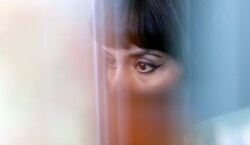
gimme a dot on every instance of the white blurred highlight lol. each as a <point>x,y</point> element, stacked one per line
<point>46,73</point>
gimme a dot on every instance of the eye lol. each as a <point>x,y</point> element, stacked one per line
<point>145,67</point>
<point>110,61</point>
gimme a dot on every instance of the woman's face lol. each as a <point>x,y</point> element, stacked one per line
<point>140,81</point>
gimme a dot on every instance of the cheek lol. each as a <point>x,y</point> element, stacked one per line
<point>160,83</point>
<point>151,87</point>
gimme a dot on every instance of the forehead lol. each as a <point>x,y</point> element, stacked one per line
<point>131,50</point>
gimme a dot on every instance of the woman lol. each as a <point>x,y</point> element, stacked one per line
<point>140,41</point>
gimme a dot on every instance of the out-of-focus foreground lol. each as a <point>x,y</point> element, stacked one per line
<point>46,81</point>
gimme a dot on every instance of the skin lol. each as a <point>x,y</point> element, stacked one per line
<point>146,72</point>
<point>140,88</point>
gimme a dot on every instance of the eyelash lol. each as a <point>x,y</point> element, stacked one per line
<point>152,66</point>
<point>111,63</point>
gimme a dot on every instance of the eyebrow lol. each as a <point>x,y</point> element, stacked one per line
<point>105,50</point>
<point>137,52</point>
<point>141,52</point>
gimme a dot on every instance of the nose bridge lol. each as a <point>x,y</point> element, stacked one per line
<point>122,79</point>
<point>120,86</point>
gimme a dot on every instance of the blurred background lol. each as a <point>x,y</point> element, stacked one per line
<point>46,73</point>
<point>219,92</point>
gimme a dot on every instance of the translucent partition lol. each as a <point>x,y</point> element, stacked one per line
<point>46,73</point>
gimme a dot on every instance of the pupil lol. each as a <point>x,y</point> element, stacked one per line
<point>142,66</point>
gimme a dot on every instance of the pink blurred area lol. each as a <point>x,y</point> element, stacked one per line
<point>46,73</point>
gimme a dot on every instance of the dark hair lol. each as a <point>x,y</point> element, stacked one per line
<point>149,24</point>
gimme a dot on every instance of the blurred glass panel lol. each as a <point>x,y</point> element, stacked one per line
<point>46,73</point>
